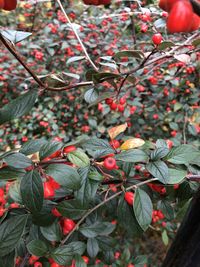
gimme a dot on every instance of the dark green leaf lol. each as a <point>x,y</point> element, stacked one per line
<point>79,261</point>
<point>32,146</point>
<point>64,175</point>
<point>37,247</point>
<point>45,216</point>
<point>183,154</point>
<point>18,161</point>
<point>92,247</point>
<point>143,208</point>
<point>8,173</point>
<point>64,254</point>
<point>88,187</point>
<point>176,176</point>
<point>8,260</point>
<point>130,223</point>
<point>18,107</point>
<point>31,188</point>
<point>129,53</point>
<point>159,153</point>
<point>72,209</point>
<point>11,231</point>
<point>132,155</point>
<point>97,228</point>
<point>52,232</point>
<point>48,149</point>
<point>99,147</point>
<point>159,170</point>
<point>166,209</point>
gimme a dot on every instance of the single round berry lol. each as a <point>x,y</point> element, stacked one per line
<point>157,38</point>
<point>109,163</point>
<point>129,197</point>
<point>37,264</point>
<point>69,149</point>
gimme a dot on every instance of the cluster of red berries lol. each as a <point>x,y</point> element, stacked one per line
<point>181,16</point>
<point>114,105</point>
<point>157,216</point>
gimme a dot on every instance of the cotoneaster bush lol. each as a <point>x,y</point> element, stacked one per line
<point>111,157</point>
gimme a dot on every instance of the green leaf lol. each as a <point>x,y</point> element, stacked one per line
<point>129,53</point>
<point>159,153</point>
<point>8,173</point>
<point>64,254</point>
<point>106,242</point>
<point>165,44</point>
<point>143,208</point>
<point>32,146</point>
<point>165,238</point>
<point>99,147</point>
<point>166,209</point>
<point>159,170</point>
<point>72,209</point>
<point>132,155</point>
<point>88,187</point>
<point>79,158</point>
<point>8,260</point>
<point>44,217</point>
<point>51,232</point>
<point>31,188</point>
<point>176,176</point>
<point>11,231</point>
<point>18,161</point>
<point>37,247</point>
<point>18,107</point>
<point>91,95</point>
<point>97,228</point>
<point>92,247</point>
<point>130,224</point>
<point>183,154</point>
<point>65,175</point>
<point>48,149</point>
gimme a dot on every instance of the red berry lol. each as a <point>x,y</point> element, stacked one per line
<point>33,259</point>
<point>69,149</point>
<point>157,38</point>
<point>120,108</point>
<point>68,226</point>
<point>122,100</point>
<point>49,191</point>
<point>86,259</point>
<point>109,163</point>
<point>37,264</point>
<point>56,213</point>
<point>180,17</point>
<point>115,143</point>
<point>113,106</point>
<point>55,264</point>
<point>129,197</point>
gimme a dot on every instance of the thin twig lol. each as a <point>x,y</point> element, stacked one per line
<point>77,36</point>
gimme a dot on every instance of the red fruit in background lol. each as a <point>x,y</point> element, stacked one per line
<point>91,2</point>
<point>67,226</point>
<point>69,149</point>
<point>55,154</point>
<point>56,213</point>
<point>157,38</point>
<point>1,4</point>
<point>195,23</point>
<point>49,191</point>
<point>167,4</point>
<point>86,259</point>
<point>37,264</point>
<point>180,17</point>
<point>55,264</point>
<point>129,197</point>
<point>10,5</point>
<point>115,143</point>
<point>109,163</point>
<point>104,2</point>
<point>33,259</point>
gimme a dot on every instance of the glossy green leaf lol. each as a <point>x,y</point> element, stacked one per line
<point>18,160</point>
<point>72,209</point>
<point>143,208</point>
<point>79,158</point>
<point>132,155</point>
<point>37,247</point>
<point>32,193</point>
<point>159,170</point>
<point>11,231</point>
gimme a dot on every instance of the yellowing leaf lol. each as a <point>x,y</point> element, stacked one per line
<point>132,143</point>
<point>115,131</point>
